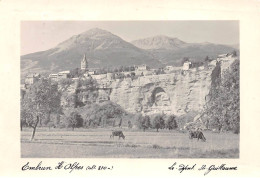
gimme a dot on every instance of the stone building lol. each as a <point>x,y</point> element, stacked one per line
<point>84,63</point>
<point>168,69</point>
<point>53,77</point>
<point>142,67</point>
<point>142,70</point>
<point>186,65</point>
<point>63,74</point>
<point>32,78</point>
<point>60,75</point>
<point>99,76</point>
<point>110,76</point>
<point>222,55</point>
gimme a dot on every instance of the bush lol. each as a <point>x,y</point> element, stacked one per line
<point>155,146</point>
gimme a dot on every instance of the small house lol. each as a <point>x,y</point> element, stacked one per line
<point>186,65</point>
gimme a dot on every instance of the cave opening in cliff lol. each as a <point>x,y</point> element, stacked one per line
<point>159,97</point>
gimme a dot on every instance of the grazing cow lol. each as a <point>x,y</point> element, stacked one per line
<point>117,133</point>
<point>197,134</point>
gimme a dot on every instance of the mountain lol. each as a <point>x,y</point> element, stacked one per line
<point>170,51</point>
<point>102,49</point>
<point>159,42</point>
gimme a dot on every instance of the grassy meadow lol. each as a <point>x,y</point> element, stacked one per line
<point>96,143</point>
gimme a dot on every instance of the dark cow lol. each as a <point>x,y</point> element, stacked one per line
<point>197,134</point>
<point>117,133</point>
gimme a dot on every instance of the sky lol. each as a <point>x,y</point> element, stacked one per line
<point>43,35</point>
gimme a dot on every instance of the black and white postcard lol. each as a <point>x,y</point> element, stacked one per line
<point>93,89</point>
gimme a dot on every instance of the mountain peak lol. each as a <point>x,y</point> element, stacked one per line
<point>160,36</point>
<point>90,40</point>
<point>96,31</point>
<point>159,42</point>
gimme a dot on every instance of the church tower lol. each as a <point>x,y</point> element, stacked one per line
<point>84,63</point>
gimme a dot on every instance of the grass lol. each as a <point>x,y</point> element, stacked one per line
<point>83,143</point>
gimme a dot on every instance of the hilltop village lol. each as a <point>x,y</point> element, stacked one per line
<point>101,76</point>
<point>140,89</point>
<point>105,77</point>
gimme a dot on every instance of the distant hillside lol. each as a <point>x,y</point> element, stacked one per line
<point>104,49</point>
<point>236,46</point>
<point>159,42</point>
<point>170,51</point>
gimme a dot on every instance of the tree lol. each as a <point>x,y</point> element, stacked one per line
<point>206,59</point>
<point>126,68</point>
<point>223,108</point>
<point>146,122</point>
<point>46,118</point>
<point>230,90</point>
<point>74,120</point>
<point>130,124</point>
<point>75,73</point>
<point>71,99</point>
<point>87,84</point>
<point>171,122</point>
<point>132,68</point>
<point>159,71</point>
<point>120,122</point>
<point>66,82</point>
<point>115,70</point>
<point>121,69</point>
<point>88,114</point>
<point>41,98</point>
<point>56,117</point>
<point>25,116</point>
<point>143,122</point>
<point>104,114</point>
<point>185,59</point>
<point>234,53</point>
<point>138,120</point>
<point>215,78</point>
<point>158,122</point>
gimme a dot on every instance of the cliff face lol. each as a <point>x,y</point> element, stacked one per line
<point>176,93</point>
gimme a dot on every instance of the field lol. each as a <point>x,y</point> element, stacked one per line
<point>96,143</point>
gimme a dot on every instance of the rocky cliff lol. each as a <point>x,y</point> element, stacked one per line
<point>176,93</point>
